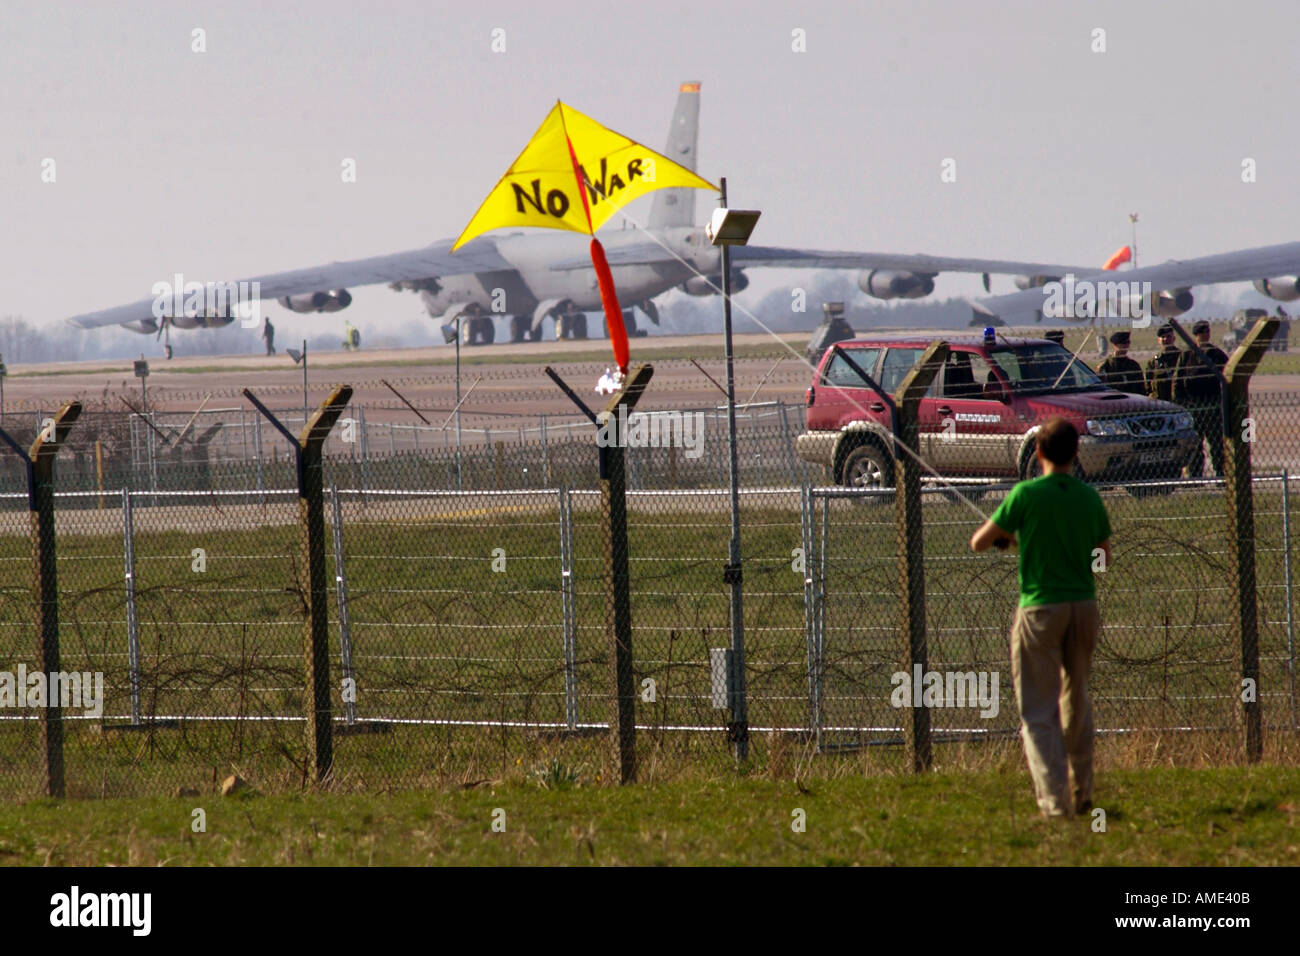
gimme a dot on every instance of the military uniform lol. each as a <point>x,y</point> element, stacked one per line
<point>1196,388</point>
<point>1123,374</point>
<point>1160,374</point>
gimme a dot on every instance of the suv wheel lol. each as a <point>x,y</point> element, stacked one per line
<point>868,467</point>
<point>1031,467</point>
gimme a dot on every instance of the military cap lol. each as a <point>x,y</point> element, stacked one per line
<point>1201,327</point>
<point>1120,338</point>
<point>1164,330</point>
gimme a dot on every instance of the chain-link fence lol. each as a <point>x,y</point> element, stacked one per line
<point>237,450</point>
<point>468,631</point>
<point>231,449</point>
<point>341,623</point>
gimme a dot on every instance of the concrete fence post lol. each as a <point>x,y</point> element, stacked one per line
<point>911,551</point>
<point>307,446</point>
<point>39,466</point>
<point>1241,521</point>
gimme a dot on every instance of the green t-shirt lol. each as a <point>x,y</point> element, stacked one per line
<point>1059,520</point>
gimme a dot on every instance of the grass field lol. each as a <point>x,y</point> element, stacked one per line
<point>1154,817</point>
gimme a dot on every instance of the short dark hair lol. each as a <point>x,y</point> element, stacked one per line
<point>1058,441</point>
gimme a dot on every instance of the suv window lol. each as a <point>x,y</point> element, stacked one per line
<point>898,362</point>
<point>965,374</point>
<point>839,373</point>
<point>1036,368</point>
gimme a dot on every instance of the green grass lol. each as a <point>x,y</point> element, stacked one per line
<point>1155,817</point>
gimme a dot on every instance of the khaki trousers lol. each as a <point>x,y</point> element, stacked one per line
<point>1051,655</point>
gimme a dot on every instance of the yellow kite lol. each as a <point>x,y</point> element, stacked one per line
<point>541,187</point>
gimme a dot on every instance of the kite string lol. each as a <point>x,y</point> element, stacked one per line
<point>898,442</point>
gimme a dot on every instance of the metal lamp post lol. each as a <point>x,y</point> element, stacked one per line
<point>727,228</point>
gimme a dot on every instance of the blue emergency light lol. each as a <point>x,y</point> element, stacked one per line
<point>990,337</point>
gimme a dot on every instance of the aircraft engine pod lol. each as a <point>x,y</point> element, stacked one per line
<point>892,284</point>
<point>1171,303</point>
<point>333,301</point>
<point>200,321</point>
<point>1281,289</point>
<point>1034,282</point>
<point>700,286</point>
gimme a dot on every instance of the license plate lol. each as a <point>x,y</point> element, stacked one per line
<point>1154,457</point>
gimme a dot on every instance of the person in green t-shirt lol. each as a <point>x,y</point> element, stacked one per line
<point>1062,531</point>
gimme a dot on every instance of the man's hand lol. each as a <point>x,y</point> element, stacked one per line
<point>990,535</point>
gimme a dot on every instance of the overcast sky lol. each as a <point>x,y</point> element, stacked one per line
<point>227,163</point>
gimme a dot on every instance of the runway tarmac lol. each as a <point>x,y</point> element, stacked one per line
<point>510,385</point>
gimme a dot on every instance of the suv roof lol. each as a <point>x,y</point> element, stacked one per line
<point>970,339</point>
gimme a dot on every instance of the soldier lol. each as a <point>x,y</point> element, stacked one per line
<point>268,333</point>
<point>1121,372</point>
<point>1197,389</point>
<point>1160,369</point>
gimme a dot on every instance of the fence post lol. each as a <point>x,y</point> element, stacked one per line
<point>39,465</point>
<point>1290,614</point>
<point>311,515</point>
<point>618,600</point>
<point>132,618</point>
<point>568,602</point>
<point>788,443</point>
<point>911,552</point>
<point>341,589</point>
<point>257,452</point>
<point>613,509</point>
<point>1241,520</point>
<point>546,455</point>
<point>806,518</point>
<point>365,451</point>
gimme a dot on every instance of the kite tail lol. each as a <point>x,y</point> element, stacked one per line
<point>609,299</point>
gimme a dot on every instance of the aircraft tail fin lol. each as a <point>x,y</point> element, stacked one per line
<point>676,207</point>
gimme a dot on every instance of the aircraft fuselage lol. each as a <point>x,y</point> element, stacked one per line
<point>534,277</point>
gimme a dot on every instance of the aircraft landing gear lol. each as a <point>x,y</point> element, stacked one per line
<point>571,325</point>
<point>629,323</point>
<point>165,333</point>
<point>479,330</point>
<point>521,329</point>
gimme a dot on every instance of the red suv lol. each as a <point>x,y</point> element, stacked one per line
<point>982,410</point>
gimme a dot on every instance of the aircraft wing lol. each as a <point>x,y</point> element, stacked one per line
<point>649,253</point>
<point>776,257</point>
<point>1242,265</point>
<point>481,255</point>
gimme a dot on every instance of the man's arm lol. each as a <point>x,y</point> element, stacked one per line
<point>991,536</point>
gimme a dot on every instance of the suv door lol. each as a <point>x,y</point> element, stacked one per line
<point>898,361</point>
<point>974,433</point>
<point>852,400</point>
